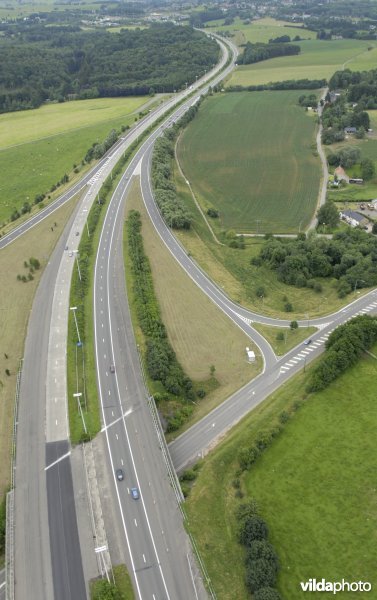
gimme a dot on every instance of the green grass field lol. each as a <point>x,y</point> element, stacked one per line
<point>231,270</point>
<point>318,59</point>
<point>261,30</point>
<point>37,147</point>
<point>291,337</point>
<point>314,486</point>
<point>250,156</point>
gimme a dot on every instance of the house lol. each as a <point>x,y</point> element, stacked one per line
<point>341,174</point>
<point>350,130</point>
<point>353,218</point>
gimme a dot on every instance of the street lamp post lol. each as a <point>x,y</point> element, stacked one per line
<point>73,309</point>
<point>78,396</point>
<point>76,253</point>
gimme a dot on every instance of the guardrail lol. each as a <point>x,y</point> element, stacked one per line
<point>9,537</point>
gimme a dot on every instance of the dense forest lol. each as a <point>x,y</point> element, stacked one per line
<point>257,52</point>
<point>92,64</point>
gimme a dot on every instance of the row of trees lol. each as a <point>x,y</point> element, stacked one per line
<point>172,207</point>
<point>90,64</point>
<point>161,361</point>
<point>288,84</point>
<point>257,52</point>
<point>350,257</point>
<point>262,563</point>
<point>343,349</point>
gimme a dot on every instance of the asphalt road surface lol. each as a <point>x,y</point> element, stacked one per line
<point>47,557</point>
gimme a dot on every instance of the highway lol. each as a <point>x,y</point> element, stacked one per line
<point>158,550</point>
<point>48,560</point>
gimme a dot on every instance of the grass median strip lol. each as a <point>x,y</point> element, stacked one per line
<point>201,335</point>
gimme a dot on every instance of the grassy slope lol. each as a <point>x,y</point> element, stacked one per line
<point>15,306</point>
<point>44,160</point>
<point>318,59</point>
<point>314,487</point>
<point>250,156</point>
<point>200,334</point>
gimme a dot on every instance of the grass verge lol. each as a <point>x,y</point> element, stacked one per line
<point>290,337</point>
<point>199,332</point>
<point>123,587</point>
<point>313,486</point>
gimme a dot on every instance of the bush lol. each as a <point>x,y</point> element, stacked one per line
<point>280,336</point>
<point>288,307</point>
<point>262,549</point>
<point>254,528</point>
<point>266,593</point>
<point>260,574</point>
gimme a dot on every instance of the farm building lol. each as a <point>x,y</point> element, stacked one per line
<point>353,218</point>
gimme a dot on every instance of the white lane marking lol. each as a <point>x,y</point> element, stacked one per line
<point>57,461</point>
<point>117,436</point>
<point>144,558</point>
<point>135,522</point>
<point>121,462</point>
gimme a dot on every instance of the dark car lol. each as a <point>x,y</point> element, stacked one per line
<point>135,493</point>
<point>307,342</point>
<point>112,368</point>
<point>119,474</point>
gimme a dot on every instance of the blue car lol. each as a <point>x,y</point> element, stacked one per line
<point>135,493</point>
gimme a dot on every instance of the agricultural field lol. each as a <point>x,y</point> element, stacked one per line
<point>261,30</point>
<point>318,59</point>
<point>314,488</point>
<point>200,334</point>
<point>252,157</point>
<point>231,269</point>
<point>37,147</point>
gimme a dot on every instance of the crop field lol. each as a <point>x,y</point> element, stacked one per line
<point>261,30</point>
<point>314,487</point>
<point>250,155</point>
<point>318,59</point>
<point>38,147</point>
<point>199,332</point>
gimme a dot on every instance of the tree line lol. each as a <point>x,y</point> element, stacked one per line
<point>261,562</point>
<point>288,84</point>
<point>90,64</point>
<point>257,52</point>
<point>171,205</point>
<point>350,257</point>
<point>161,361</point>
<point>343,349</point>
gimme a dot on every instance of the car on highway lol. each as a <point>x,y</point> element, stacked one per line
<point>135,493</point>
<point>77,233</point>
<point>307,342</point>
<point>112,368</point>
<point>119,474</point>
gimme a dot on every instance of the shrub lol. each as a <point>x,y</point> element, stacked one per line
<point>254,528</point>
<point>262,549</point>
<point>266,593</point>
<point>280,336</point>
<point>260,574</point>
